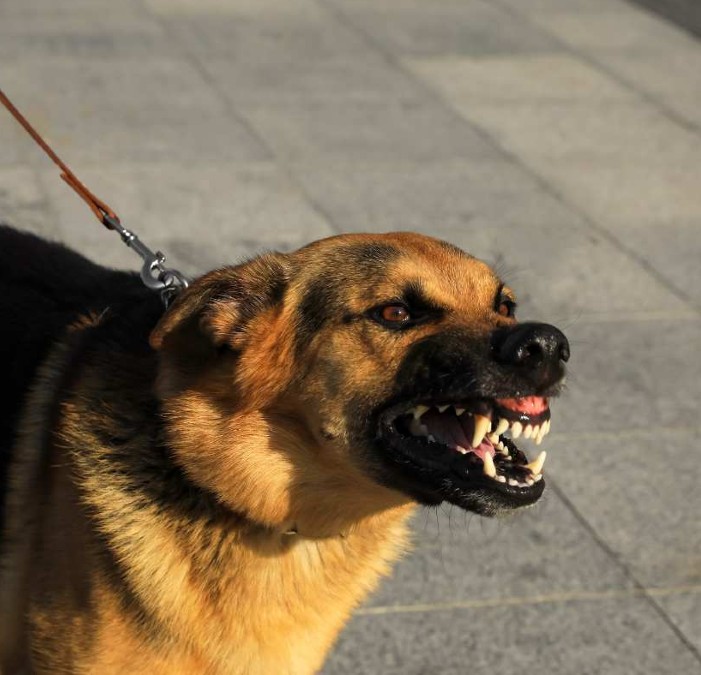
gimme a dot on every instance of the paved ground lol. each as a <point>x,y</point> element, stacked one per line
<point>560,137</point>
<point>685,13</point>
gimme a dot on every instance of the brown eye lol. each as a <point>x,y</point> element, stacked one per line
<point>395,314</point>
<point>506,308</point>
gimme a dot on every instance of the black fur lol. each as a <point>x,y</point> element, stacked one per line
<point>44,287</point>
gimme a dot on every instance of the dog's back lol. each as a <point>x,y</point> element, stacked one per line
<point>43,287</point>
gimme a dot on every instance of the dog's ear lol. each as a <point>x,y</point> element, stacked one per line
<point>215,310</point>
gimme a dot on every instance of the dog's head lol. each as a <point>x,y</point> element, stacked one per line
<point>357,373</point>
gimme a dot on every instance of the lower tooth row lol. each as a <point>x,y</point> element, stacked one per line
<point>535,467</point>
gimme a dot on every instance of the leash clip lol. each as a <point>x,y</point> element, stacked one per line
<point>154,274</point>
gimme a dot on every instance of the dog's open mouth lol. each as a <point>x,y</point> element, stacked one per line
<point>465,451</point>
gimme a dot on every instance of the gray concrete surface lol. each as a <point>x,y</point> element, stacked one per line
<point>559,137</point>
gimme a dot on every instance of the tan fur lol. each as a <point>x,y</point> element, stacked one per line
<point>267,588</point>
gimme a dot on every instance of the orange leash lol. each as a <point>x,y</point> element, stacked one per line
<point>153,273</point>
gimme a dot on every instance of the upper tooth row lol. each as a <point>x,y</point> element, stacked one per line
<point>484,426</point>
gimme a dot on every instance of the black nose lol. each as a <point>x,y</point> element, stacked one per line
<point>532,344</point>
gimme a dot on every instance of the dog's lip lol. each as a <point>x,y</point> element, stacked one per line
<point>487,463</point>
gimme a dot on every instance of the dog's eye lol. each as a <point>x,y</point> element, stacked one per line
<point>394,314</point>
<point>506,307</point>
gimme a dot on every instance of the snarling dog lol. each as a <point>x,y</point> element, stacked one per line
<point>214,488</point>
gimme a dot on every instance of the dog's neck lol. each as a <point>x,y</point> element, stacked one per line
<point>217,587</point>
<point>259,600</point>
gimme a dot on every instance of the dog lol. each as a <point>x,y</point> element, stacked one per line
<point>214,488</point>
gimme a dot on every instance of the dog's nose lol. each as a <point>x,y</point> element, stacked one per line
<point>532,345</point>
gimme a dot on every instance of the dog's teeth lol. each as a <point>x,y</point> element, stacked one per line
<point>489,468</point>
<point>493,439</point>
<point>528,431</point>
<point>482,425</point>
<point>442,408</point>
<point>502,426</point>
<point>513,483</point>
<point>418,429</point>
<point>500,478</point>
<point>461,450</point>
<point>516,429</point>
<point>419,410</point>
<point>538,477</point>
<point>459,411</point>
<point>431,438</point>
<point>545,428</point>
<point>529,482</point>
<point>540,435</point>
<point>536,466</point>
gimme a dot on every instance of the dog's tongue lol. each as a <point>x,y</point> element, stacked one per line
<point>528,405</point>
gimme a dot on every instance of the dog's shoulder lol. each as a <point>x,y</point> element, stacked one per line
<point>46,287</point>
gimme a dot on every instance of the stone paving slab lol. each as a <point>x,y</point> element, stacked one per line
<point>106,117</point>
<point>621,28</point>
<point>604,130</point>
<point>412,129</point>
<point>542,78</point>
<point>635,487</point>
<point>92,36</point>
<point>462,558</point>
<point>684,609</point>
<point>582,637</point>
<point>631,375</point>
<point>457,26</point>
<point>22,201</point>
<point>293,35</point>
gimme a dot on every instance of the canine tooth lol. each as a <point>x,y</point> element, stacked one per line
<point>442,408</point>
<point>502,426</point>
<point>489,467</point>
<point>459,411</point>
<point>538,477</point>
<point>528,431</point>
<point>482,425</point>
<point>418,429</point>
<point>419,410</point>
<point>461,450</point>
<point>536,466</point>
<point>493,439</point>
<point>500,478</point>
<point>516,429</point>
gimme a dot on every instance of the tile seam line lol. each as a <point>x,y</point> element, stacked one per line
<point>544,599</point>
<point>516,160</point>
<point>627,433</point>
<point>239,117</point>
<point>656,103</point>
<point>640,588</point>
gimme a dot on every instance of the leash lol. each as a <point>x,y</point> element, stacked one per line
<point>154,274</point>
